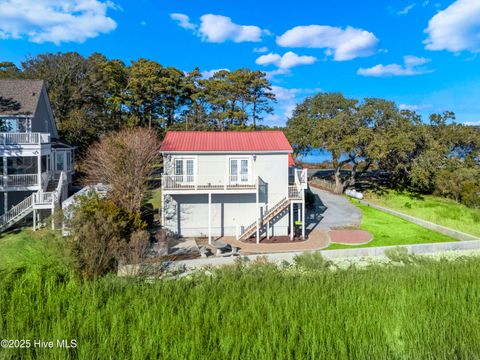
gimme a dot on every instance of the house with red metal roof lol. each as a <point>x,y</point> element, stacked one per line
<point>240,184</point>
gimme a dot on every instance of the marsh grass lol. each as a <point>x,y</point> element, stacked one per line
<point>248,311</point>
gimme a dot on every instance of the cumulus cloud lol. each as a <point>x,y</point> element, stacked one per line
<point>287,99</point>
<point>183,21</point>
<point>219,28</point>
<point>287,61</point>
<point>457,28</point>
<point>412,65</point>
<point>343,44</point>
<point>55,21</point>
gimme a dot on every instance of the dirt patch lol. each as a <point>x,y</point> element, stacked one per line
<point>350,237</point>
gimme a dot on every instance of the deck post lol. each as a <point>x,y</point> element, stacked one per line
<point>258,213</point>
<point>210,218</point>
<point>53,216</point>
<point>34,220</point>
<point>303,214</point>
<point>39,169</point>
<point>292,214</point>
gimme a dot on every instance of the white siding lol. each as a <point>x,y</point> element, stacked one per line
<point>188,214</point>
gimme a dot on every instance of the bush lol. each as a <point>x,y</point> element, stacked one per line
<point>460,184</point>
<point>311,261</point>
<point>102,235</point>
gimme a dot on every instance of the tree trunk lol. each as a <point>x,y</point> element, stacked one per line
<point>254,115</point>
<point>339,185</point>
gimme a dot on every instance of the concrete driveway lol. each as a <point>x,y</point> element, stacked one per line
<point>332,211</point>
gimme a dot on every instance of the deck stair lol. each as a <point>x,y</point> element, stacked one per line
<point>294,193</point>
<point>39,200</point>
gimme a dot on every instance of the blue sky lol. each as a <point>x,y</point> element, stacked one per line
<point>422,54</point>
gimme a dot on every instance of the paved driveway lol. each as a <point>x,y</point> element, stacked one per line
<point>332,211</point>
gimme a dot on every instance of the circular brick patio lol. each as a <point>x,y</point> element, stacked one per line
<point>350,237</point>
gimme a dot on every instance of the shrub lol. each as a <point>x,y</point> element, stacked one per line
<point>311,261</point>
<point>103,234</point>
<point>460,184</point>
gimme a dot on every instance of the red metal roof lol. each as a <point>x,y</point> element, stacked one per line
<point>291,161</point>
<point>234,141</point>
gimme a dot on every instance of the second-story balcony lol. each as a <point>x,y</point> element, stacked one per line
<point>24,138</point>
<point>207,183</point>
<point>20,180</point>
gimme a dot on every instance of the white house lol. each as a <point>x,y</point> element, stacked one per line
<point>231,184</point>
<point>36,168</point>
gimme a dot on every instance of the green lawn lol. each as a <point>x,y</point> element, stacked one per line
<point>430,310</point>
<point>390,230</point>
<point>435,209</point>
<point>155,198</point>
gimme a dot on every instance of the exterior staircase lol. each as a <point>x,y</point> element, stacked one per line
<point>40,200</point>
<point>293,194</point>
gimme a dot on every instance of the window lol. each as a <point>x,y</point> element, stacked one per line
<point>44,163</point>
<point>59,164</point>
<point>69,161</point>
<point>22,165</point>
<point>184,170</point>
<point>239,171</point>
<point>16,124</point>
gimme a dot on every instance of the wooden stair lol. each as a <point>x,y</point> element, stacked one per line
<point>271,214</point>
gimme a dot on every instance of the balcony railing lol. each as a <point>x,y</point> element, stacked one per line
<point>195,182</point>
<point>22,180</point>
<point>24,138</point>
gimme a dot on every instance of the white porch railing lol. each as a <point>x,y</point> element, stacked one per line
<point>21,180</point>
<point>24,138</point>
<point>17,211</point>
<point>301,177</point>
<point>195,182</point>
<point>294,192</point>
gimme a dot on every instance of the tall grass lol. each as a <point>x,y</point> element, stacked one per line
<point>249,312</point>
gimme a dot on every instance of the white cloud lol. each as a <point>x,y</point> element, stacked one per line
<point>287,61</point>
<point>209,73</point>
<point>472,123</point>
<point>344,44</point>
<point>55,21</point>
<point>287,100</point>
<point>406,9</point>
<point>262,49</point>
<point>218,29</point>
<point>143,23</point>
<point>413,107</point>
<point>412,66</point>
<point>456,28</point>
<point>183,21</point>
